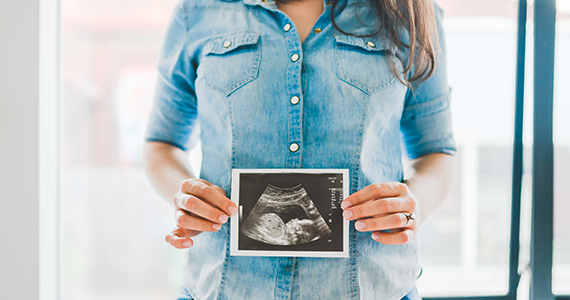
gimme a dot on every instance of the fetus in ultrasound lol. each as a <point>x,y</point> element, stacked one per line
<point>285,216</point>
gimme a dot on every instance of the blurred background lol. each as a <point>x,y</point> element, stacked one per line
<point>113,223</point>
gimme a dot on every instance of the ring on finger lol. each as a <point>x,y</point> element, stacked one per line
<point>409,217</point>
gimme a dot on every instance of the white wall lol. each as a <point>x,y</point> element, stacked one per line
<point>23,213</point>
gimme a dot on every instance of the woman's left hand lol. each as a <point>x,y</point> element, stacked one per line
<point>385,209</point>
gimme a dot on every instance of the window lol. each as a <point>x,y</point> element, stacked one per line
<point>561,255</point>
<point>113,222</point>
<point>464,246</point>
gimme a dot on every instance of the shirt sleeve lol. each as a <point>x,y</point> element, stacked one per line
<point>426,119</point>
<point>173,118</point>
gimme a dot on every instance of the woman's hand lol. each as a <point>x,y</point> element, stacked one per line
<point>200,206</point>
<point>385,209</point>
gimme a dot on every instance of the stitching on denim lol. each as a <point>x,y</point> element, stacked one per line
<point>356,160</point>
<point>357,84</point>
<point>279,277</point>
<point>250,38</point>
<point>354,264</point>
<point>222,287</point>
<point>232,127</point>
<point>359,42</point>
<point>227,256</point>
<point>355,179</point>
<point>232,88</point>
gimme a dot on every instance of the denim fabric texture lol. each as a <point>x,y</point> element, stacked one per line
<point>228,73</point>
<point>412,295</point>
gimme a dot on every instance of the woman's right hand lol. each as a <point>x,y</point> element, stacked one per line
<point>200,206</point>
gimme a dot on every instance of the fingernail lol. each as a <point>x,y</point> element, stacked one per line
<point>232,210</point>
<point>187,244</point>
<point>223,218</point>
<point>216,226</point>
<point>375,236</point>
<point>360,225</point>
<point>345,205</point>
<point>347,214</point>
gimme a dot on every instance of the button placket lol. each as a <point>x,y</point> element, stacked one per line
<point>293,82</point>
<point>285,278</point>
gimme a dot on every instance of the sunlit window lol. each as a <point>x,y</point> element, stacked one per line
<point>561,255</point>
<point>114,222</point>
<point>465,245</point>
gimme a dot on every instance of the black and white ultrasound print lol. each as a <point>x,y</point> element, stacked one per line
<point>289,213</point>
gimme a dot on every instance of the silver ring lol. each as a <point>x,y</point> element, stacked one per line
<point>409,217</point>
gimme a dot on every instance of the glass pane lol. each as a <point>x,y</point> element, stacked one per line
<point>465,244</point>
<point>113,221</point>
<point>561,268</point>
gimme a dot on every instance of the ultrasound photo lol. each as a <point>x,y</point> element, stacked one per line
<point>289,212</point>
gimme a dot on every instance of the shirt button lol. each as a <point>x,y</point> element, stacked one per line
<point>227,44</point>
<point>287,27</point>
<point>295,100</point>
<point>370,44</point>
<point>318,30</point>
<point>295,57</point>
<point>294,147</point>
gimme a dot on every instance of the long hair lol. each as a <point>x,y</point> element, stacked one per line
<point>417,19</point>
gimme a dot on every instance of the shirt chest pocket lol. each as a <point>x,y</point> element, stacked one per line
<point>231,61</point>
<point>363,63</point>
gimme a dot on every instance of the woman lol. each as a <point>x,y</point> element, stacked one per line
<point>303,84</point>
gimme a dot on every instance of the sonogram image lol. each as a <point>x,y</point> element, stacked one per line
<point>285,216</point>
<point>289,213</point>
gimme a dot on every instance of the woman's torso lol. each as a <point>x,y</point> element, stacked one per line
<point>259,90</point>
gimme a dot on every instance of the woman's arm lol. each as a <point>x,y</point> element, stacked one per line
<point>199,205</point>
<point>429,178</point>
<point>166,167</point>
<point>383,208</point>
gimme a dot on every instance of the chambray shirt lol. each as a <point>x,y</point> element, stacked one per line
<point>235,75</point>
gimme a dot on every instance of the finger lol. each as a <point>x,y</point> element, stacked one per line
<point>395,238</point>
<point>210,193</point>
<point>397,220</point>
<point>206,211</point>
<point>380,207</point>
<point>375,191</point>
<point>185,232</point>
<point>194,222</point>
<point>180,238</point>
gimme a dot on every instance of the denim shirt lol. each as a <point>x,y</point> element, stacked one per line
<point>235,74</point>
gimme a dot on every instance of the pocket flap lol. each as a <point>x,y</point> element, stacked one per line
<point>366,43</point>
<point>229,42</point>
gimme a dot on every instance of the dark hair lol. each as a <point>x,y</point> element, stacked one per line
<point>417,18</point>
